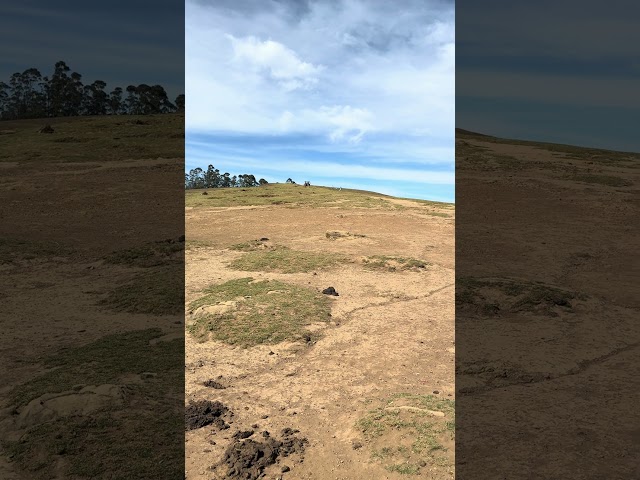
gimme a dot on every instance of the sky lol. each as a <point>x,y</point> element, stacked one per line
<point>565,72</point>
<point>120,42</point>
<point>353,93</point>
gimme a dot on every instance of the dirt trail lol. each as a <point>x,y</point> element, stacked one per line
<point>390,333</point>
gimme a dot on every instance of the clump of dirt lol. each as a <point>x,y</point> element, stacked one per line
<point>248,458</point>
<point>330,291</point>
<point>46,129</point>
<point>334,235</point>
<point>214,384</point>
<point>202,413</point>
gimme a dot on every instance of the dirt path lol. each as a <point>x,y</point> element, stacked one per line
<point>390,333</point>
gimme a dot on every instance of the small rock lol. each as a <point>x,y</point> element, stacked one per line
<point>264,239</point>
<point>285,469</point>
<point>436,392</point>
<point>422,463</point>
<point>271,353</point>
<point>356,445</point>
<point>330,291</point>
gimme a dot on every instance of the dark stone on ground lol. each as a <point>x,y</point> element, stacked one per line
<point>241,434</point>
<point>330,291</point>
<point>285,469</point>
<point>205,193</point>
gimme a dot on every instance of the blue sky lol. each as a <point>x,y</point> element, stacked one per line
<point>356,93</point>
<point>120,42</point>
<point>565,72</point>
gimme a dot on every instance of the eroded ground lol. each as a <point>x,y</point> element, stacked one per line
<point>364,384</point>
<point>91,298</point>
<point>546,277</point>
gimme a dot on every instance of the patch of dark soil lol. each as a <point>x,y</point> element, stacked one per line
<point>247,459</point>
<point>214,384</point>
<point>330,291</point>
<point>202,413</point>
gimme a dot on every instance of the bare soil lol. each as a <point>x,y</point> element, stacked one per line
<point>73,368</point>
<point>545,277</point>
<point>389,333</point>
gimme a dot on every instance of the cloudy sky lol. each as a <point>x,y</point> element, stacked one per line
<point>121,42</point>
<point>564,72</point>
<point>352,93</point>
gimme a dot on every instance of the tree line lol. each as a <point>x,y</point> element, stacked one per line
<point>212,178</point>
<point>62,94</point>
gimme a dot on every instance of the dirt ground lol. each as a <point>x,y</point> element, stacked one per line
<point>545,277</point>
<point>391,332</point>
<point>63,209</point>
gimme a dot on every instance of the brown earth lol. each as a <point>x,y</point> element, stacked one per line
<point>390,332</point>
<point>545,277</point>
<point>63,209</point>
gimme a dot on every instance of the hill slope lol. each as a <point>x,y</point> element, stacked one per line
<point>358,384</point>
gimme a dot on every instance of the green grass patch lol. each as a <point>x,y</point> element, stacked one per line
<point>607,180</point>
<point>251,246</point>
<point>290,196</point>
<point>148,255</point>
<point>283,260</point>
<point>196,244</point>
<point>156,291</point>
<point>13,251</point>
<point>128,441</point>
<point>392,263</point>
<point>101,139</point>
<point>265,312</point>
<point>405,438</point>
<point>489,297</point>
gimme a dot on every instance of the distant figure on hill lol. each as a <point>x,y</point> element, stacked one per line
<point>307,183</point>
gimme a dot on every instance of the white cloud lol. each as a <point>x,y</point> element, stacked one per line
<point>355,73</point>
<point>281,63</point>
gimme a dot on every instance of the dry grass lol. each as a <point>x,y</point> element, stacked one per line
<point>405,435</point>
<point>262,312</point>
<point>83,138</point>
<point>282,259</point>
<point>291,196</point>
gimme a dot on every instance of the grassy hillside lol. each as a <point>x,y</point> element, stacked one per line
<point>293,195</point>
<point>101,138</point>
